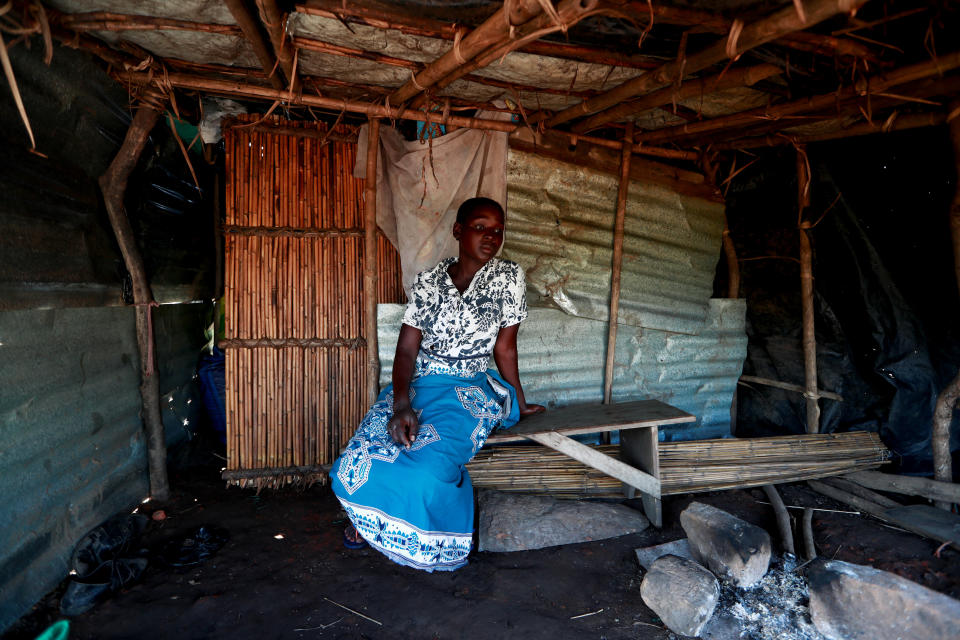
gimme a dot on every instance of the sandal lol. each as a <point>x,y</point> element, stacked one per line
<point>354,540</point>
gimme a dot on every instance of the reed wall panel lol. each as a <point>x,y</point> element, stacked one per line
<point>295,349</point>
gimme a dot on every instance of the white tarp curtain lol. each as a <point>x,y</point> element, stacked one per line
<point>421,185</point>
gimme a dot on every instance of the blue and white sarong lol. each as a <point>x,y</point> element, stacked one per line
<point>416,505</point>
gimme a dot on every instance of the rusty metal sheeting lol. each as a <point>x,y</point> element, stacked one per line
<point>561,363</point>
<point>560,230</point>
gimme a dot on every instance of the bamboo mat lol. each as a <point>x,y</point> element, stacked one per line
<point>685,467</point>
<point>295,353</point>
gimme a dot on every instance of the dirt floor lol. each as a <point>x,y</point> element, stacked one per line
<point>261,586</point>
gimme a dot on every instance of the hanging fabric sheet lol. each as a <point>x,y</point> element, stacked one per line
<point>420,185</point>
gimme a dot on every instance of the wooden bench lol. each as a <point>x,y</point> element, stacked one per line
<point>638,423</point>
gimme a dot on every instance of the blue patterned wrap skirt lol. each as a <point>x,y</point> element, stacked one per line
<point>416,505</point>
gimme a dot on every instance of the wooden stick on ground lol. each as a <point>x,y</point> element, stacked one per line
<point>783,518</point>
<point>623,192</point>
<point>908,485</point>
<point>370,261</point>
<point>113,183</point>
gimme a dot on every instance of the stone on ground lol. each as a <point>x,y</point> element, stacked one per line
<point>647,555</point>
<point>735,550</point>
<point>681,592</point>
<point>854,602</point>
<point>518,522</point>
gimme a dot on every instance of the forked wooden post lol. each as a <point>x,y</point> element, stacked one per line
<point>806,290</point>
<point>370,261</point>
<point>618,225</point>
<point>113,183</point>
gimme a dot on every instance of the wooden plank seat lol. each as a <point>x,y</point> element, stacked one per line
<point>638,423</point>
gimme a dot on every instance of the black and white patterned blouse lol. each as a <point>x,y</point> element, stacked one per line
<point>459,331</point>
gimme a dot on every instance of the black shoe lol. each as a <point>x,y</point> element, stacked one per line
<point>114,538</point>
<point>195,547</point>
<point>83,594</point>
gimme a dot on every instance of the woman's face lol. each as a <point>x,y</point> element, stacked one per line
<point>481,235</point>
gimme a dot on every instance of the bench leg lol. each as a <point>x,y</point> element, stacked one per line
<point>639,448</point>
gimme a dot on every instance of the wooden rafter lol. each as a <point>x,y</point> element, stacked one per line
<point>251,31</point>
<point>383,17</point>
<point>568,13</point>
<point>775,26</point>
<point>275,22</point>
<point>901,123</point>
<point>715,23</point>
<point>492,32</point>
<point>741,77</point>
<point>875,85</point>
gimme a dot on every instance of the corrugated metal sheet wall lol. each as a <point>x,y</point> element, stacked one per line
<point>562,358</point>
<point>674,342</point>
<point>72,447</point>
<point>560,230</point>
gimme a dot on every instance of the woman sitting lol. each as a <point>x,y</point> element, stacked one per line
<point>401,478</point>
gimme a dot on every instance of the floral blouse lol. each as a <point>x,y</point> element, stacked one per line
<point>459,331</point>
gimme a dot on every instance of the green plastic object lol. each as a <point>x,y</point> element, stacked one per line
<point>57,631</point>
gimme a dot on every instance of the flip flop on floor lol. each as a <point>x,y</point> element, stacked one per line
<point>354,541</point>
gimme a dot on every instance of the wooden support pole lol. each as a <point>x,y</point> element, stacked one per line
<point>774,26</point>
<point>113,184</point>
<point>806,293</point>
<point>947,400</point>
<point>370,261</point>
<point>733,265</point>
<point>940,437</point>
<point>618,226</point>
<point>251,31</point>
<point>809,548</point>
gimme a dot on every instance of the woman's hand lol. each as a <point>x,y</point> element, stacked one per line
<point>531,409</point>
<point>403,427</point>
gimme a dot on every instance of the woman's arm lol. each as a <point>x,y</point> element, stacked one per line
<point>505,355</point>
<point>403,426</point>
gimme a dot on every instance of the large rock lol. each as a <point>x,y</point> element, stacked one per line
<point>735,550</point>
<point>681,592</point>
<point>851,601</point>
<point>517,522</point>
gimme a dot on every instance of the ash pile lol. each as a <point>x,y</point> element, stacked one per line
<point>722,582</point>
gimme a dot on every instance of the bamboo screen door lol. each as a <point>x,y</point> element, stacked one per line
<point>295,356</point>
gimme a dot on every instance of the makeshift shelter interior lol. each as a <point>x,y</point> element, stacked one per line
<point>687,164</point>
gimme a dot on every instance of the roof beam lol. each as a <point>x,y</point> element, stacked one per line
<point>275,22</point>
<point>741,77</point>
<point>568,13</point>
<point>874,85</point>
<point>494,29</point>
<point>385,17</point>
<point>775,26</point>
<point>900,123</point>
<point>251,31</point>
<point>319,46</point>
<point>801,41</point>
